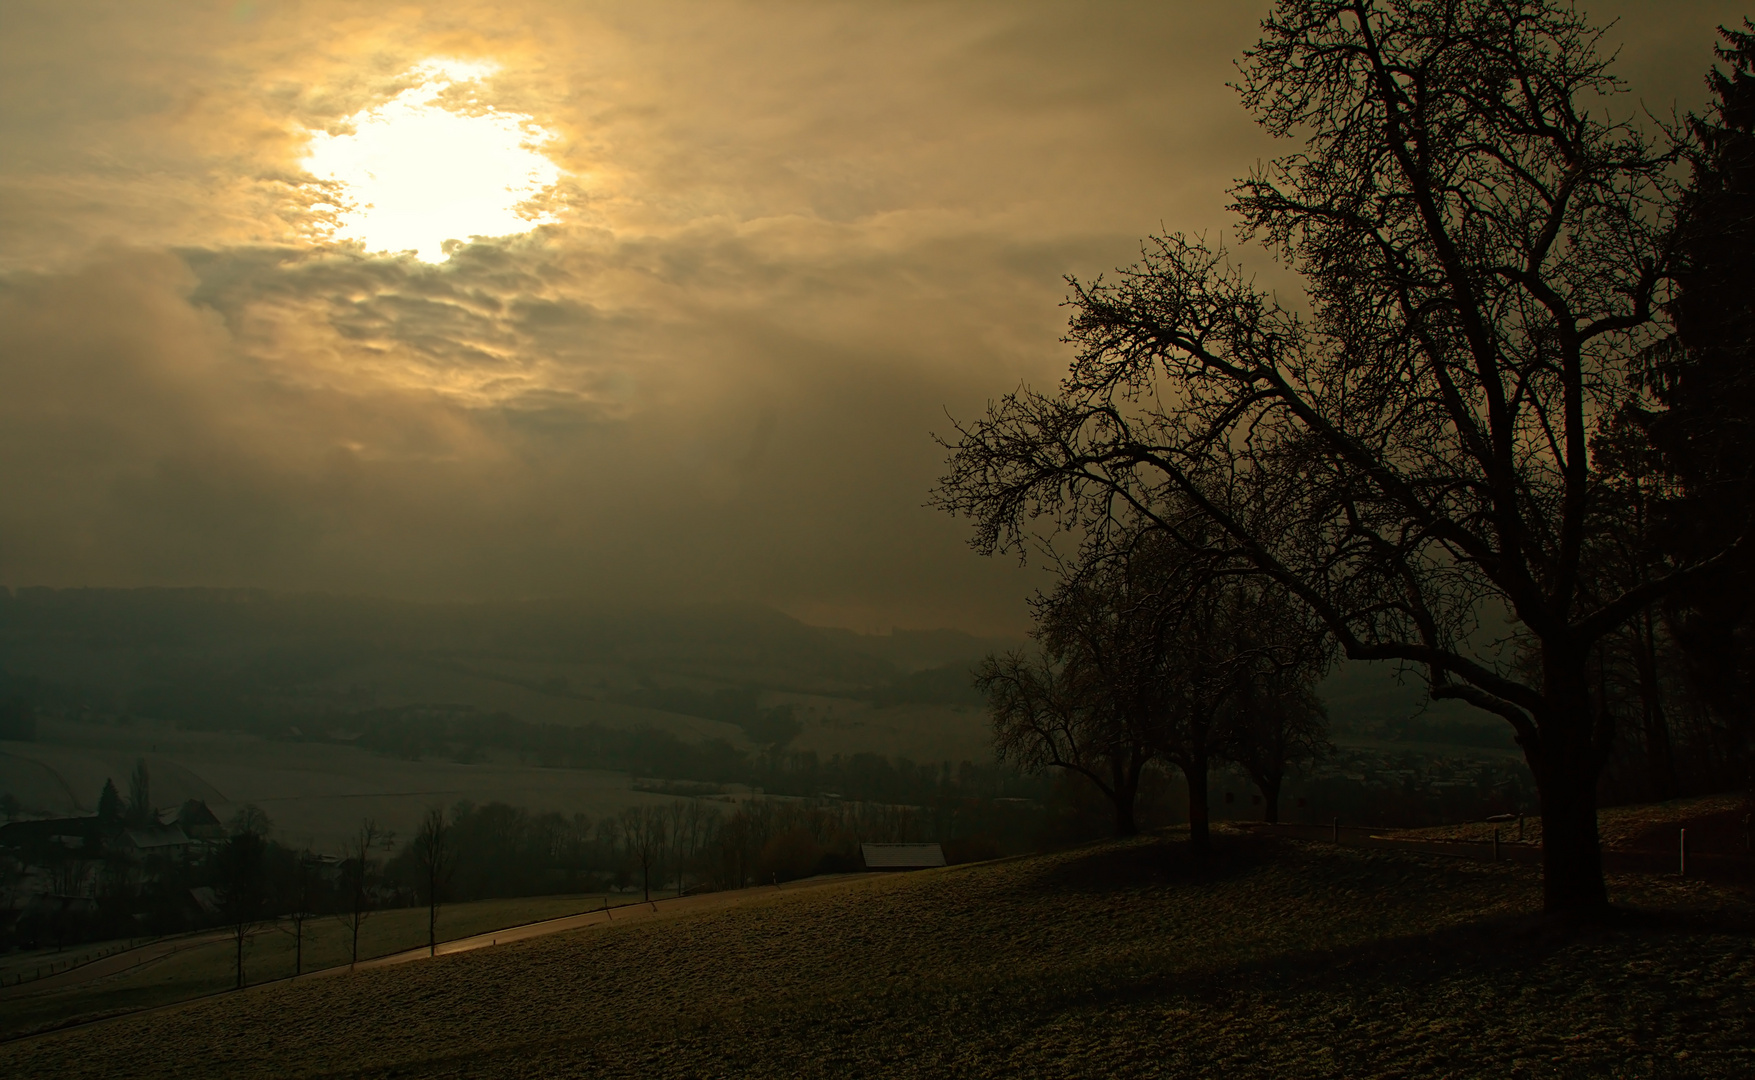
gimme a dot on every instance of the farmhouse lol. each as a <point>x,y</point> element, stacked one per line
<point>199,822</point>
<point>147,840</point>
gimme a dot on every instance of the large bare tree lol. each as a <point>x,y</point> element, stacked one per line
<point>1485,252</point>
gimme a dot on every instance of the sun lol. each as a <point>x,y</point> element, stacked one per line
<point>417,172</point>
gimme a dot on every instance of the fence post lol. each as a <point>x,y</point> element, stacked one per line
<point>1495,843</point>
<point>1684,853</point>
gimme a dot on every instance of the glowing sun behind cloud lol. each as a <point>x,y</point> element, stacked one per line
<point>419,170</point>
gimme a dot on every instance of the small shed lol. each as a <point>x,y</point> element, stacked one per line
<point>902,856</point>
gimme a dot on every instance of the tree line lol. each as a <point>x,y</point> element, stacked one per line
<point>1146,655</point>
<point>1503,438</point>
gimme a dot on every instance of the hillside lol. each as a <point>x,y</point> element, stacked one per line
<point>295,665</point>
<point>1275,959</point>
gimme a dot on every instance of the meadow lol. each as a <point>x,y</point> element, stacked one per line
<point>1274,958</point>
<point>207,964</point>
<point>315,793</point>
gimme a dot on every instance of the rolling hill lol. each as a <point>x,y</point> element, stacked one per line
<point>1274,959</point>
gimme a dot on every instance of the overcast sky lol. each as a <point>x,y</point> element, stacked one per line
<point>786,240</point>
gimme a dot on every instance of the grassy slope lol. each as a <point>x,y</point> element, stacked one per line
<point>1278,959</point>
<point>1646,826</point>
<point>208,967</point>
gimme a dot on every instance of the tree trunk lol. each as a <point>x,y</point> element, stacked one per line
<point>1270,797</point>
<point>1566,763</point>
<point>1126,787</point>
<point>1199,833</point>
<point>1572,859</point>
<point>1660,761</point>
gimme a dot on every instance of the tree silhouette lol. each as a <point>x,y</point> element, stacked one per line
<point>1485,254</point>
<point>243,889</point>
<point>140,809</point>
<point>435,861</point>
<point>1705,375</point>
<point>359,868</point>
<point>643,832</point>
<point>110,810</point>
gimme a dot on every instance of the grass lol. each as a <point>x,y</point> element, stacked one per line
<point>1646,826</point>
<point>208,967</point>
<point>1273,959</point>
<point>315,793</point>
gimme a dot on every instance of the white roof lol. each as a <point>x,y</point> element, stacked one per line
<point>163,836</point>
<point>902,856</point>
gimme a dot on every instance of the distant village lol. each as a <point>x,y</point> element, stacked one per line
<point>128,870</point>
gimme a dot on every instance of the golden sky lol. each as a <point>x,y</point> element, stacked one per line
<point>782,241</point>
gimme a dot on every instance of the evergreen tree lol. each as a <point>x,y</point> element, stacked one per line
<point>1706,376</point>
<point>140,795</point>
<point>109,804</point>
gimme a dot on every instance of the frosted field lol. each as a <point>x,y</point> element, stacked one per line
<point>315,793</point>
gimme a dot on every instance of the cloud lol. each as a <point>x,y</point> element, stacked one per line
<point>793,237</point>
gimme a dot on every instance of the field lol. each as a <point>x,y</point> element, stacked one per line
<point>1273,959</point>
<point>922,733</point>
<point>315,793</point>
<point>206,965</point>
<point>1715,823</point>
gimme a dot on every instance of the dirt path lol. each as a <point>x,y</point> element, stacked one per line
<point>624,913</point>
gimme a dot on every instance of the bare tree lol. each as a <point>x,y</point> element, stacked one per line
<point>1486,255</point>
<point>691,826</point>
<point>243,889</point>
<point>251,818</point>
<point>435,861</point>
<point>359,872</point>
<point>676,823</point>
<point>1045,717</point>
<point>608,848</point>
<point>302,901</point>
<point>1279,722</point>
<point>643,832</point>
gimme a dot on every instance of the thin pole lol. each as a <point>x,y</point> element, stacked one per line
<point>1495,843</point>
<point>1337,830</point>
<point>1684,853</point>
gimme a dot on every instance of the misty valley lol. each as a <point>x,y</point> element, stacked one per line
<point>688,539</point>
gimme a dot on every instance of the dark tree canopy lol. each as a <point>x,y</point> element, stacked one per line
<point>1152,650</point>
<point>1486,253</point>
<point>1705,375</point>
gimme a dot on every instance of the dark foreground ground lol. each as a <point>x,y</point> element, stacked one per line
<point>1275,959</point>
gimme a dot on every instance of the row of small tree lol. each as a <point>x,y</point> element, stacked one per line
<point>1150,653</point>
<point>470,852</point>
